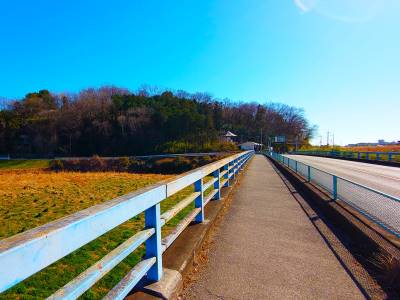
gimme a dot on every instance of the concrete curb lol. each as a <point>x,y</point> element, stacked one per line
<point>167,288</point>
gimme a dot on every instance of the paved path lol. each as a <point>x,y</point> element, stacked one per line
<point>382,178</point>
<point>266,248</point>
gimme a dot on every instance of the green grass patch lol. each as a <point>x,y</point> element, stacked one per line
<point>24,164</point>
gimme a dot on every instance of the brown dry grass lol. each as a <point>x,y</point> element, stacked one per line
<point>32,198</point>
<point>388,148</point>
<point>29,198</point>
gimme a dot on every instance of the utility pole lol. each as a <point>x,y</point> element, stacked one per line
<point>333,139</point>
<point>327,138</point>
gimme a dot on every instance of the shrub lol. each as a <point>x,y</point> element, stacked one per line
<point>123,163</point>
<point>136,166</point>
<point>166,165</point>
<point>96,163</point>
<point>183,164</point>
<point>57,165</point>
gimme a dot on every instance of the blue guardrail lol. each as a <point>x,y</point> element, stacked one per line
<point>379,207</point>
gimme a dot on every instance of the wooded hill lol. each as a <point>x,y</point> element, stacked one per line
<point>113,121</point>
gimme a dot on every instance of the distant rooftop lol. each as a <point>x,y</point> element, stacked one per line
<point>230,134</point>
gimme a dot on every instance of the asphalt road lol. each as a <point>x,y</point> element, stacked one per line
<point>382,178</point>
<point>267,248</point>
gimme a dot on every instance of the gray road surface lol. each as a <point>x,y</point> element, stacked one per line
<point>267,248</point>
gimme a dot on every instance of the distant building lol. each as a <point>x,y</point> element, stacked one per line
<point>229,136</point>
<point>250,146</point>
<point>379,143</point>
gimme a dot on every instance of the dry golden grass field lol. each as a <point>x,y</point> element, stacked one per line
<point>30,198</point>
<point>387,148</point>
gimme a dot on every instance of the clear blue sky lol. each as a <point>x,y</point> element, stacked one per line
<point>338,59</point>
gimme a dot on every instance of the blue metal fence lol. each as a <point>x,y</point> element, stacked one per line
<point>379,207</point>
<point>375,156</point>
<point>25,254</point>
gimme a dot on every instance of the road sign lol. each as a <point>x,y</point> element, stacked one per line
<point>279,139</point>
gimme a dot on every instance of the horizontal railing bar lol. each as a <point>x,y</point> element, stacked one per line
<point>371,217</point>
<point>210,196</point>
<point>130,280</point>
<point>88,278</point>
<point>168,240</point>
<point>221,174</point>
<point>190,177</point>
<point>209,183</point>
<point>50,242</point>
<point>168,215</point>
<point>223,182</point>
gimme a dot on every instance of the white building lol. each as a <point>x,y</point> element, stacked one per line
<point>229,136</point>
<point>250,146</point>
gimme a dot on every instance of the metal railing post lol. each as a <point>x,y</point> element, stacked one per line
<point>308,173</point>
<point>153,244</point>
<point>236,166</point>
<point>377,156</point>
<point>226,176</point>
<point>217,185</point>
<point>199,201</point>
<point>358,155</point>
<point>295,165</point>
<point>366,155</point>
<point>389,156</point>
<point>334,187</point>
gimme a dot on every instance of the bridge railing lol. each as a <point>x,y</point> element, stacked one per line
<point>25,254</point>
<point>379,207</point>
<point>363,155</point>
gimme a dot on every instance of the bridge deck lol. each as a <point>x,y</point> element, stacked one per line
<point>267,248</point>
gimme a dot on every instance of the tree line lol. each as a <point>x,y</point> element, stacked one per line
<point>114,121</point>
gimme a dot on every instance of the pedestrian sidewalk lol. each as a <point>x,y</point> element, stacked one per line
<point>267,248</point>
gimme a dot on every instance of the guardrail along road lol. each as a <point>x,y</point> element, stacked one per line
<point>383,178</point>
